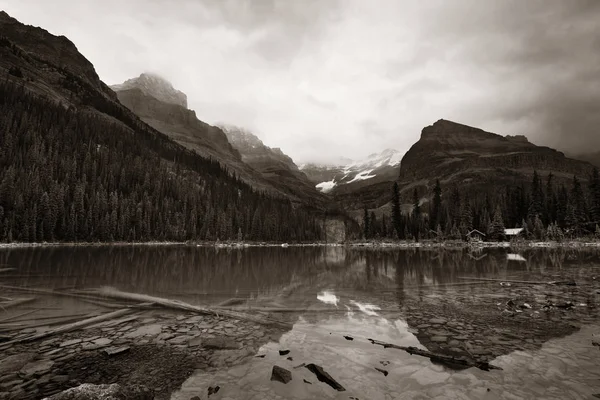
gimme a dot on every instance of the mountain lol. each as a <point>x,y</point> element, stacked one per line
<point>155,86</point>
<point>275,166</point>
<point>356,184</point>
<point>156,102</point>
<point>592,158</point>
<point>473,159</point>
<point>77,165</point>
<point>375,167</point>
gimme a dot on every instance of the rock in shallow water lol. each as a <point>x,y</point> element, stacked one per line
<point>220,343</point>
<point>281,374</point>
<point>323,376</point>
<point>115,391</point>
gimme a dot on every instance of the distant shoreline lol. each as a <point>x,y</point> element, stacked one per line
<point>355,244</point>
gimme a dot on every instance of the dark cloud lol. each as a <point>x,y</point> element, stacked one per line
<point>328,78</point>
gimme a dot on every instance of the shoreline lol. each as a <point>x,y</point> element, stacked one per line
<point>380,244</point>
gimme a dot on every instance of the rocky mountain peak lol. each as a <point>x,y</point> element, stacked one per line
<point>155,86</point>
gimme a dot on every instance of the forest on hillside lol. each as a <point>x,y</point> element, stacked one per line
<point>81,176</point>
<point>545,210</point>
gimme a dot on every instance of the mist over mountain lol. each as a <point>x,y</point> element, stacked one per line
<point>285,69</point>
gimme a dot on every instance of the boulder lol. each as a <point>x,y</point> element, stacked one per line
<point>115,391</point>
<point>323,376</point>
<point>281,374</point>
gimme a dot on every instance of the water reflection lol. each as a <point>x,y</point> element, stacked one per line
<point>199,274</point>
<point>328,298</point>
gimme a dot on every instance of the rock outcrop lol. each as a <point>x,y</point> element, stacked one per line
<point>155,86</point>
<point>469,157</point>
<point>274,165</point>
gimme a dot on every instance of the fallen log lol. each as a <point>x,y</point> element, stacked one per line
<point>19,315</point>
<point>49,292</point>
<point>103,303</point>
<point>449,361</point>
<point>180,305</point>
<point>15,302</point>
<point>46,323</point>
<point>69,327</point>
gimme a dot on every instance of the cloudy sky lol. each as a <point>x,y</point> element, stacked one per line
<point>329,78</point>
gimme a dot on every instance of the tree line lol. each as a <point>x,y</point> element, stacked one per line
<point>76,175</point>
<point>544,209</point>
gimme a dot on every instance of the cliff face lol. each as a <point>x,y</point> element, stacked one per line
<point>274,165</point>
<point>155,86</point>
<point>50,65</point>
<point>179,123</point>
<point>460,154</point>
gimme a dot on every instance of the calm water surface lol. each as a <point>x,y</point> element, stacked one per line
<point>339,291</point>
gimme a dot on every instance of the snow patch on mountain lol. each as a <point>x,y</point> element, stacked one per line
<point>353,171</point>
<point>363,175</point>
<point>326,186</point>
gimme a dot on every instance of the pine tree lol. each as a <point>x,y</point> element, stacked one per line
<point>366,225</point>
<point>594,188</point>
<point>538,228</point>
<point>537,201</point>
<point>373,225</point>
<point>436,209</point>
<point>497,226</point>
<point>551,200</point>
<point>416,204</point>
<point>396,215</point>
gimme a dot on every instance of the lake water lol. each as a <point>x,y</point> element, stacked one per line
<point>432,299</point>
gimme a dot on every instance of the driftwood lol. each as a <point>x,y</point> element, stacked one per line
<point>70,327</point>
<point>102,303</point>
<point>111,323</point>
<point>49,292</point>
<point>6,269</point>
<point>15,302</point>
<point>18,315</point>
<point>180,305</point>
<point>449,361</point>
<point>59,320</point>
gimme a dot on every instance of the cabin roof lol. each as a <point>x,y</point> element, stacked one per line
<point>513,231</point>
<point>475,231</point>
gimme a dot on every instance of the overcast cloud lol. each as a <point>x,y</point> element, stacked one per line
<point>326,78</point>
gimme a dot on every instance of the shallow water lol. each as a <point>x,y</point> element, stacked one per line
<point>334,292</point>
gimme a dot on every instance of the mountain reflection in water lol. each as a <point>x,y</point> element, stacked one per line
<point>204,275</point>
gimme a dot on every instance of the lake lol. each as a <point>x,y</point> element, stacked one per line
<point>490,305</point>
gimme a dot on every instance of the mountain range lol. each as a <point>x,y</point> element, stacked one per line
<point>460,157</point>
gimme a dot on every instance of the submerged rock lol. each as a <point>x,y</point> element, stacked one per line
<point>113,351</point>
<point>220,343</point>
<point>212,390</point>
<point>281,374</point>
<point>323,376</point>
<point>115,391</point>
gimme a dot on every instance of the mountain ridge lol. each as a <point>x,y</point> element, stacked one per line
<point>275,166</point>
<point>80,166</point>
<point>156,86</point>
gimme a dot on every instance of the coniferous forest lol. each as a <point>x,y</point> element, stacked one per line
<point>76,175</point>
<point>545,210</point>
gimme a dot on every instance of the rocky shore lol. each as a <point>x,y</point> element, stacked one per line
<point>155,349</point>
